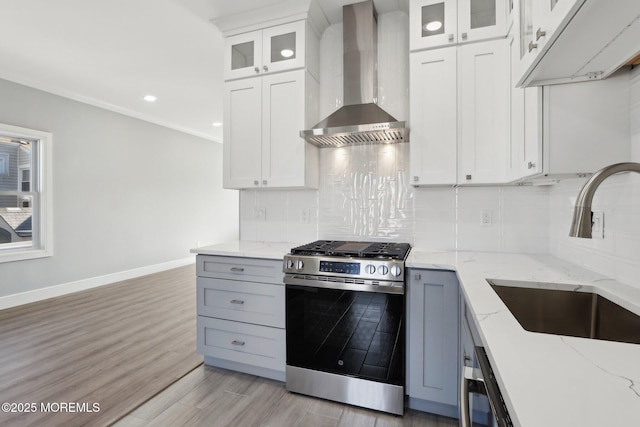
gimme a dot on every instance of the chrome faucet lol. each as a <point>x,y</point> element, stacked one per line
<point>581,223</point>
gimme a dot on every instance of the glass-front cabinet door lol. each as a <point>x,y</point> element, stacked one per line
<point>259,52</point>
<point>242,55</point>
<point>482,19</point>
<point>433,23</point>
<point>436,23</point>
<point>283,47</point>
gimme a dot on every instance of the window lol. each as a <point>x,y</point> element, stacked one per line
<point>25,194</point>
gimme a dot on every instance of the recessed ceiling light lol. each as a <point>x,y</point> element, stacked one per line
<point>287,53</point>
<point>150,98</point>
<point>216,124</point>
<point>433,26</point>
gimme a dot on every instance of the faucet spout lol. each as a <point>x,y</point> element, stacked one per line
<point>581,223</point>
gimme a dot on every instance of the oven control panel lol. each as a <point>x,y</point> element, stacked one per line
<point>383,269</point>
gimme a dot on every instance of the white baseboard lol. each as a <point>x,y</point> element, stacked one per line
<point>92,282</point>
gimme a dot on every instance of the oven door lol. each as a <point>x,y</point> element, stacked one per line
<point>352,333</point>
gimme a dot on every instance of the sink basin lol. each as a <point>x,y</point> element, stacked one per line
<point>560,312</point>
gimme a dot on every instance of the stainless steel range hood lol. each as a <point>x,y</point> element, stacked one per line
<point>360,120</point>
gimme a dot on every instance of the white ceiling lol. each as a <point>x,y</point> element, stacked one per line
<point>112,53</point>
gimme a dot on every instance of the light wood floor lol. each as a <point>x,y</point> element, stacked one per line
<point>217,397</point>
<point>117,345</point>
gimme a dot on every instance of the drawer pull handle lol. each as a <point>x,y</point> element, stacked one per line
<point>236,342</point>
<point>239,269</point>
<point>237,301</point>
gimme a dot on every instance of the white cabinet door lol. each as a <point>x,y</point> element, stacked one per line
<point>433,117</point>
<point>283,47</point>
<point>482,20</point>
<point>537,23</point>
<point>432,298</point>
<point>283,116</point>
<point>242,146</point>
<point>483,98</point>
<point>437,23</point>
<point>433,23</point>
<point>526,125</point>
<point>243,55</point>
<point>273,49</point>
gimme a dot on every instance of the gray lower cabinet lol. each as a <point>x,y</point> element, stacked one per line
<point>432,341</point>
<point>240,307</point>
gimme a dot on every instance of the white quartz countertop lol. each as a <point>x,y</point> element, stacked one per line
<point>548,380</point>
<point>249,249</point>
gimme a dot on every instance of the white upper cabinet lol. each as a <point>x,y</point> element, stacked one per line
<point>460,114</point>
<point>483,97</point>
<point>435,23</point>
<point>264,51</point>
<point>262,146</point>
<point>538,20</point>
<point>433,116</point>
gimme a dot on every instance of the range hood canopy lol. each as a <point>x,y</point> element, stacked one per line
<point>360,120</point>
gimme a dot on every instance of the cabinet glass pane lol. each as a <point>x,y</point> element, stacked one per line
<point>242,55</point>
<point>433,19</point>
<point>483,13</point>
<point>283,47</point>
<point>526,26</point>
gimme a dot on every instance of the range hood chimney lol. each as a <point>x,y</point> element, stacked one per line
<point>360,120</point>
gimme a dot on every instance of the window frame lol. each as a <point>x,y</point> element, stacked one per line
<point>41,196</point>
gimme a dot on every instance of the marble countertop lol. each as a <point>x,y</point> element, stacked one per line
<point>547,380</point>
<point>249,249</point>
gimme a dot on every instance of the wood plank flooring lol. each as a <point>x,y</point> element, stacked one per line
<point>216,397</point>
<point>117,345</point>
<point>130,347</point>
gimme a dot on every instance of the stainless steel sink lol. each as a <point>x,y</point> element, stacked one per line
<point>560,312</point>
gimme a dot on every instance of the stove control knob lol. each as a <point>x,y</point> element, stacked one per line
<point>370,269</point>
<point>396,271</point>
<point>289,264</point>
<point>383,269</point>
<point>299,264</point>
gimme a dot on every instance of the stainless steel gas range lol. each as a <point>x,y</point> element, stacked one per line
<point>345,322</point>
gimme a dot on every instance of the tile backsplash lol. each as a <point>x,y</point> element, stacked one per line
<point>365,194</point>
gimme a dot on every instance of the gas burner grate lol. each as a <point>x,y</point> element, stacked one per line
<point>338,248</point>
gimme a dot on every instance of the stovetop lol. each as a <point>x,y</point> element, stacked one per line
<point>339,248</point>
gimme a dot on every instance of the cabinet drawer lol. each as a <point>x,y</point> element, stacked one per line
<point>259,346</point>
<point>236,268</point>
<point>250,302</point>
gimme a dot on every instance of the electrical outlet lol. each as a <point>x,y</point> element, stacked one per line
<point>261,214</point>
<point>597,225</point>
<point>486,218</point>
<point>304,216</point>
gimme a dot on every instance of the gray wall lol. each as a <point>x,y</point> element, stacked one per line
<point>126,193</point>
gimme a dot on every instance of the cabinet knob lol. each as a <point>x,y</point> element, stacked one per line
<point>540,33</point>
<point>468,177</point>
<point>256,69</point>
<point>531,165</point>
<point>255,182</point>
<point>237,342</point>
<point>416,178</point>
<point>237,301</point>
<point>450,37</point>
<point>464,36</point>
<point>532,45</point>
<point>264,182</point>
<point>237,269</point>
<point>265,68</point>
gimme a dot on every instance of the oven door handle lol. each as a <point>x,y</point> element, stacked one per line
<point>383,287</point>
<point>471,381</point>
